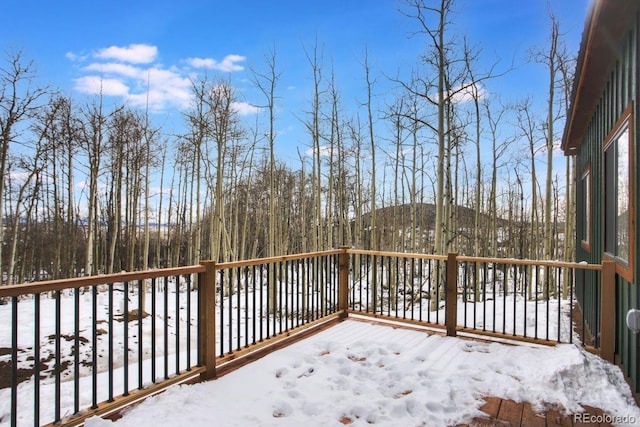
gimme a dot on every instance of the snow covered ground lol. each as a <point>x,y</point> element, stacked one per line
<point>362,374</point>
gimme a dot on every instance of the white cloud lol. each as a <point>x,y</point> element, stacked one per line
<point>98,85</point>
<point>129,72</point>
<point>244,108</point>
<point>467,92</point>
<point>115,68</point>
<point>324,151</point>
<point>228,64</point>
<point>75,57</point>
<point>134,53</point>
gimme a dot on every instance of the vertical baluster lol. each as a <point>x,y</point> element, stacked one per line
<point>548,298</point>
<point>153,329</point>
<point>306,291</point>
<point>483,282</point>
<point>140,354</point>
<point>262,303</point>
<point>369,278</point>
<point>430,283</point>
<point>286,295</point>
<point>465,288</point>
<point>125,349</point>
<point>166,327</point>
<point>494,274</point>
<point>474,268</point>
<point>535,281</point>
<point>110,344</point>
<point>437,285</point>
<point>571,312</point>
<point>221,272</point>
<point>36,360</point>
<point>322,287</point>
<point>188,320</point>
<point>515,297</point>
<point>404,290</point>
<point>58,365</point>
<point>389,284</point>
<point>253,296</point>
<point>298,292</point>
<point>245,278</point>
<point>504,298</point>
<point>374,284</point>
<point>269,304</point>
<point>277,317</point>
<point>355,275</point>
<point>177,317</point>
<point>238,308</point>
<point>94,352</point>
<point>76,353</point>
<point>525,295</point>
<point>420,277</point>
<point>559,298</point>
<point>14,361</point>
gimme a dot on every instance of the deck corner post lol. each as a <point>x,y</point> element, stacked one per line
<point>451,301</point>
<point>343,280</point>
<point>608,311</point>
<point>207,315</point>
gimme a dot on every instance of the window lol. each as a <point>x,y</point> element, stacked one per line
<point>585,209</point>
<point>618,197</point>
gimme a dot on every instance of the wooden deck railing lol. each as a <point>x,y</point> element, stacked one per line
<point>86,346</point>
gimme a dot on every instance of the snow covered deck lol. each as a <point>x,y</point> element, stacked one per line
<point>362,374</point>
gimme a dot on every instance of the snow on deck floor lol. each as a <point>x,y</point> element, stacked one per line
<point>378,375</point>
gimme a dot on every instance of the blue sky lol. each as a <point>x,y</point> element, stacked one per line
<point>125,44</point>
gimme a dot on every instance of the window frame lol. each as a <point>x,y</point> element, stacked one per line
<point>586,186</point>
<point>624,267</point>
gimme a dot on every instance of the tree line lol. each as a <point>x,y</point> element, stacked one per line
<point>92,187</point>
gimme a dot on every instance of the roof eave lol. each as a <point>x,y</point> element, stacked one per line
<point>607,23</point>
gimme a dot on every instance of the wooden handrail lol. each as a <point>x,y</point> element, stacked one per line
<point>272,260</point>
<point>105,279</point>
<point>397,254</point>
<point>538,263</point>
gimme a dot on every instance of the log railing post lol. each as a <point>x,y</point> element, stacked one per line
<point>451,303</point>
<point>608,311</point>
<point>343,280</point>
<point>207,319</point>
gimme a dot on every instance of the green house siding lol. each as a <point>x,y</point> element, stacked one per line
<point>621,91</point>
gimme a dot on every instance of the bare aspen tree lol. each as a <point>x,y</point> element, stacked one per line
<point>161,228</point>
<point>499,146</point>
<point>92,141</point>
<point>267,83</point>
<point>332,138</point>
<point>224,130</point>
<point>556,59</point>
<point>59,132</point>
<point>149,137</point>
<point>198,126</point>
<point>373,244</point>
<point>19,100</point>
<point>313,126</point>
<point>565,67</point>
<point>20,203</point>
<point>436,57</point>
<point>355,135</point>
<point>551,62</point>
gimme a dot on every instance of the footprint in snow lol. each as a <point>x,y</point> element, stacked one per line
<point>310,371</point>
<point>281,372</point>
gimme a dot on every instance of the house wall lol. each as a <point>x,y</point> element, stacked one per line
<point>621,91</point>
